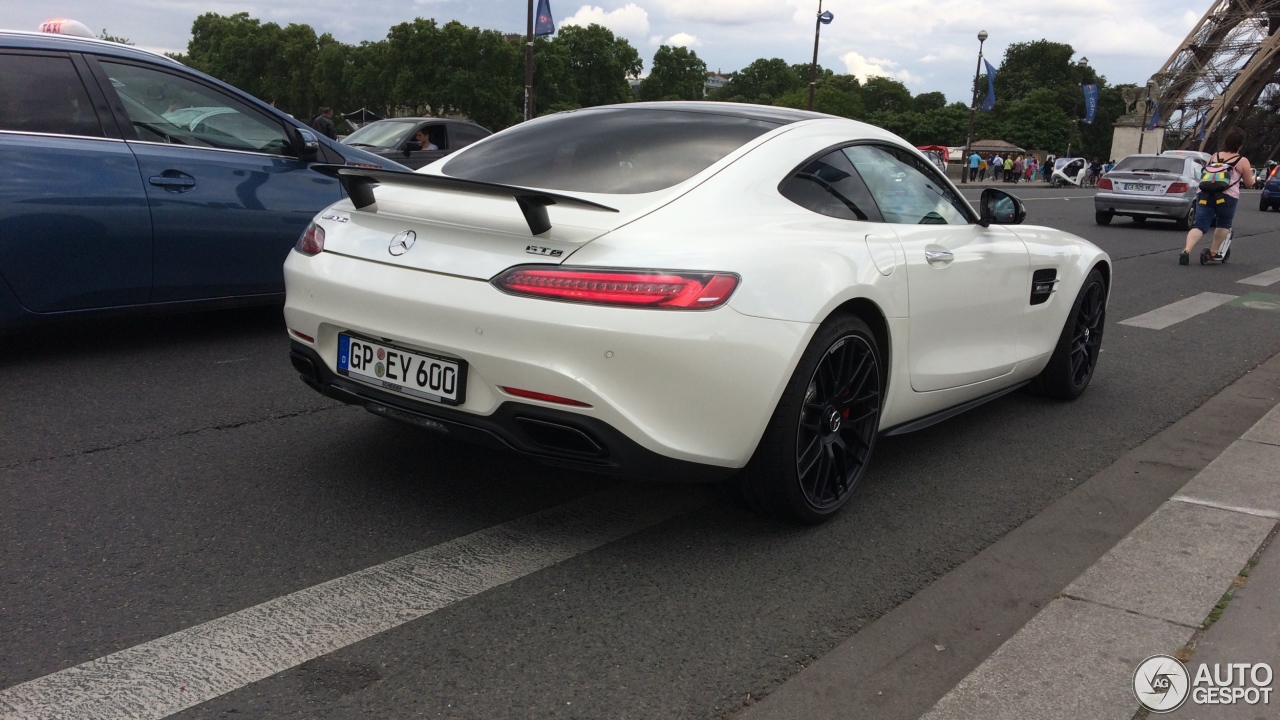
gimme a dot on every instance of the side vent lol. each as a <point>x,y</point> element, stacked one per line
<point>1043,284</point>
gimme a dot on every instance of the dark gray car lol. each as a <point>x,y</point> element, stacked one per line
<point>1150,186</point>
<point>394,138</point>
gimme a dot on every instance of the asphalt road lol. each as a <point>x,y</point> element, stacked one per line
<point>156,474</point>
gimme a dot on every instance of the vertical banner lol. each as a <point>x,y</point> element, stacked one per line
<point>544,24</point>
<point>989,103</point>
<point>1155,117</point>
<point>1090,101</point>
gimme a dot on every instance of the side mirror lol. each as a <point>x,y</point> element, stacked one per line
<point>1000,208</point>
<point>411,146</point>
<point>305,143</point>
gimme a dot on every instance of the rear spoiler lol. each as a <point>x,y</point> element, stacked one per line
<point>359,183</point>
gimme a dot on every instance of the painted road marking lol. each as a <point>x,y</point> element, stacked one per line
<point>1270,514</point>
<point>1174,313</point>
<point>178,671</point>
<point>1263,279</point>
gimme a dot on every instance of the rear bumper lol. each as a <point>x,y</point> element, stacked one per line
<point>697,387</point>
<point>1173,207</point>
<point>553,437</point>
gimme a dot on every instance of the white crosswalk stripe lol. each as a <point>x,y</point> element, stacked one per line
<point>1269,277</point>
<point>178,671</point>
<point>1174,313</point>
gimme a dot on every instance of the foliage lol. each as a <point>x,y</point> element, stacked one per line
<point>762,82</point>
<point>114,38</point>
<point>677,74</point>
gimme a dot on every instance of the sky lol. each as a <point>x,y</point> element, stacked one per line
<point>930,45</point>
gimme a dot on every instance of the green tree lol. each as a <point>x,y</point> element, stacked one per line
<point>597,65</point>
<point>114,38</point>
<point>882,93</point>
<point>763,81</point>
<point>834,95</point>
<point>929,102</point>
<point>677,74</point>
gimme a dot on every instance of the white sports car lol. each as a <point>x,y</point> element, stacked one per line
<point>688,291</point>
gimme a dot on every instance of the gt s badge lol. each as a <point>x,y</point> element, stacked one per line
<point>536,250</point>
<point>335,217</point>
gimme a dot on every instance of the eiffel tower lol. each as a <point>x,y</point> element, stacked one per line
<point>1224,70</point>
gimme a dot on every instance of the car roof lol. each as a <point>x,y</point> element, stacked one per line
<point>49,41</point>
<point>766,113</point>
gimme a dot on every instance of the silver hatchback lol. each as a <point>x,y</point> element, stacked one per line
<point>1150,186</point>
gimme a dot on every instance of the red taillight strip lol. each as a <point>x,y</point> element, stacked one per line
<point>300,336</point>
<point>1177,188</point>
<point>544,397</point>
<point>312,240</point>
<point>621,288</point>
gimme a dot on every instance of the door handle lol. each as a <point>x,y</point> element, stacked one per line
<point>172,183</point>
<point>938,256</point>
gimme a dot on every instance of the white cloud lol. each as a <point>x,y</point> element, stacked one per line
<point>682,40</point>
<point>655,39</point>
<point>726,12</point>
<point>629,21</point>
<point>861,68</point>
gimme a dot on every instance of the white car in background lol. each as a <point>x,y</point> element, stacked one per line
<point>688,291</point>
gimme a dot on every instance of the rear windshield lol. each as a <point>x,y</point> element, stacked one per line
<point>609,150</point>
<point>1173,165</point>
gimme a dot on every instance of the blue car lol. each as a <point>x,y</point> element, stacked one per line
<point>1270,194</point>
<point>131,182</point>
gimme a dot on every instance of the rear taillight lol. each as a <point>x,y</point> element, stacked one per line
<point>1177,189</point>
<point>1104,184</point>
<point>625,288</point>
<point>312,240</point>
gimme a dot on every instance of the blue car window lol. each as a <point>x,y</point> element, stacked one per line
<point>168,108</point>
<point>43,94</point>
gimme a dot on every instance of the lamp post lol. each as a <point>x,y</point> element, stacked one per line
<point>824,18</point>
<point>973,111</point>
<point>1075,110</point>
<point>1146,106</point>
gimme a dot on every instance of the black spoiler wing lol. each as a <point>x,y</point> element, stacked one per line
<point>359,183</point>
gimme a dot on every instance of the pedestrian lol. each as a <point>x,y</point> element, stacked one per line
<point>982,170</point>
<point>1017,169</point>
<point>323,123</point>
<point>974,160</point>
<point>1008,167</point>
<point>1219,194</point>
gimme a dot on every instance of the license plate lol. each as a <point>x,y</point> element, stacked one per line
<point>1140,186</point>
<point>408,372</point>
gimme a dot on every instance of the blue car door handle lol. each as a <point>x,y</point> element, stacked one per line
<point>177,182</point>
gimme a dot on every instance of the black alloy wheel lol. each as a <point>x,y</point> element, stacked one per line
<point>820,438</point>
<point>837,426</point>
<point>1075,358</point>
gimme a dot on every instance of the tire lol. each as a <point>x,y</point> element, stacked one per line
<point>1075,358</point>
<point>821,436</point>
<point>1185,222</point>
<point>1057,182</point>
<point>1139,219</point>
<point>1103,218</point>
<point>1226,256</point>
<point>1262,205</point>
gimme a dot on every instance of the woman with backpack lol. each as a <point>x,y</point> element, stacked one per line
<point>1219,194</point>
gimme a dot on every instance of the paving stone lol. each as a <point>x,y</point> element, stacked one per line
<point>1246,475</point>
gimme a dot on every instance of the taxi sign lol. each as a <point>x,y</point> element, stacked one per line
<point>63,26</point>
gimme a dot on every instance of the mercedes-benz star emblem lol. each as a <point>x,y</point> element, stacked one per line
<point>402,242</point>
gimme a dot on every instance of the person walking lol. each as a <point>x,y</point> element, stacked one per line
<point>982,170</point>
<point>1216,204</point>
<point>1017,170</point>
<point>997,168</point>
<point>323,123</point>
<point>974,160</point>
<point>1008,167</point>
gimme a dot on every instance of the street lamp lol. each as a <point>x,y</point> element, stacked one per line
<point>973,111</point>
<point>824,18</point>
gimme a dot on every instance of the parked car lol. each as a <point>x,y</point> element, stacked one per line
<point>1150,186</point>
<point>688,291</point>
<point>1270,196</point>
<point>131,182</point>
<point>395,139</point>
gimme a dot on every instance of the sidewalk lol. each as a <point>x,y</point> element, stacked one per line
<point>1154,593</point>
<point>1053,620</point>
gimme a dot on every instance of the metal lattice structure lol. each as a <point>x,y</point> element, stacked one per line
<point>1227,64</point>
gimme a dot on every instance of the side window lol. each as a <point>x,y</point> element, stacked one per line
<point>905,189</point>
<point>43,94</point>
<point>438,136</point>
<point>830,186</point>
<point>464,135</point>
<point>167,108</point>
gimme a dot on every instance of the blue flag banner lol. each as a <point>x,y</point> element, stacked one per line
<point>826,18</point>
<point>1090,101</point>
<point>989,103</point>
<point>1155,118</point>
<point>543,23</point>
